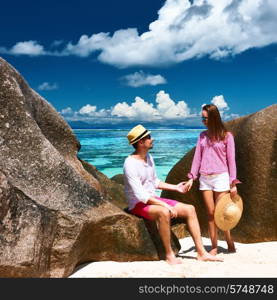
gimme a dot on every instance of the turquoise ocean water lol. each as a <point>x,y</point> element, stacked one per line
<point>107,149</point>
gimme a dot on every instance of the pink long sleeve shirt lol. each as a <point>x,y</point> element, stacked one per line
<point>214,157</point>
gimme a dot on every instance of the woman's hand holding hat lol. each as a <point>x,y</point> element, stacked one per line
<point>233,191</point>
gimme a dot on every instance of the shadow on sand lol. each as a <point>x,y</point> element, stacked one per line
<point>207,248</point>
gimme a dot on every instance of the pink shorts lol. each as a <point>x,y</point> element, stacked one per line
<point>141,209</point>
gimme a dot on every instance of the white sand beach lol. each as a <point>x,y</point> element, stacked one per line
<point>256,260</point>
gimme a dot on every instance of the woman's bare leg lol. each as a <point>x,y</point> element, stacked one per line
<point>209,201</point>
<point>188,212</point>
<point>228,238</point>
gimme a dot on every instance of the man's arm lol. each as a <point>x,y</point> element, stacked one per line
<point>180,187</point>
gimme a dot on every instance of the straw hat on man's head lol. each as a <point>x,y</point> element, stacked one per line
<point>228,211</point>
<point>137,133</point>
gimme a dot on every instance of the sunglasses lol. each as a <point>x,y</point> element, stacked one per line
<point>204,118</point>
<point>148,137</point>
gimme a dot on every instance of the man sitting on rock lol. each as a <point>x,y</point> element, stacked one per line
<point>140,181</point>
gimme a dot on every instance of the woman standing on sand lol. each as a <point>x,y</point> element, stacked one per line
<point>214,160</point>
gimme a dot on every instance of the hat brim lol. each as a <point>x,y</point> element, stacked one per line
<point>221,221</point>
<point>136,140</point>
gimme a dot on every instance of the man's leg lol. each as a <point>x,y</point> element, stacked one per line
<point>188,212</point>
<point>162,216</point>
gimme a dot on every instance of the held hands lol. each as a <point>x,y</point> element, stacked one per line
<point>184,186</point>
<point>188,185</point>
<point>180,187</point>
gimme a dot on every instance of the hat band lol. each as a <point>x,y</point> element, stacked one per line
<point>138,137</point>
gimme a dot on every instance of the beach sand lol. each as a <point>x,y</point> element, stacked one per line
<point>256,260</point>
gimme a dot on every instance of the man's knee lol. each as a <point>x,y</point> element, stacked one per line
<point>191,210</point>
<point>163,214</point>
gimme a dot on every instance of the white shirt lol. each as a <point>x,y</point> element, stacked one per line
<point>140,180</point>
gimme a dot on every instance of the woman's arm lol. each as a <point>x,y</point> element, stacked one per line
<point>231,161</point>
<point>193,174</point>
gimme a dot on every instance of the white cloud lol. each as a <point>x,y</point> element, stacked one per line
<point>186,30</point>
<point>91,111</point>
<point>168,109</point>
<point>164,111</point>
<point>67,111</point>
<point>183,30</point>
<point>220,102</point>
<point>87,45</point>
<point>138,79</point>
<point>231,117</point>
<point>140,110</point>
<point>87,109</point>
<point>223,108</point>
<point>46,86</point>
<point>31,48</point>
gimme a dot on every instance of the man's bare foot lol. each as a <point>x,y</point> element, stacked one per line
<point>173,260</point>
<point>213,251</point>
<point>208,257</point>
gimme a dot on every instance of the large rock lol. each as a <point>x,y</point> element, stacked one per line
<point>112,190</point>
<point>119,178</point>
<point>53,213</point>
<point>256,155</point>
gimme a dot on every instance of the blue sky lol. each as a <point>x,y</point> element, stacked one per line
<point>114,62</point>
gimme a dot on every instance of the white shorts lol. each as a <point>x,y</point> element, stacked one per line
<point>216,182</point>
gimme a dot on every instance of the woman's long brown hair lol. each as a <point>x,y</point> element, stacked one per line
<point>216,128</point>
